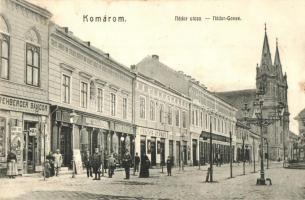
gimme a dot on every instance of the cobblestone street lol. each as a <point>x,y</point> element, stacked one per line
<point>187,184</point>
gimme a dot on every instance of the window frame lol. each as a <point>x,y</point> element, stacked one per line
<point>63,75</point>
<point>177,121</point>
<point>30,47</point>
<point>113,109</point>
<point>6,38</point>
<point>100,105</point>
<point>124,107</point>
<point>81,93</point>
<point>144,108</point>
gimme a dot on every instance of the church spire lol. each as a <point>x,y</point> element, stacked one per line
<point>277,61</point>
<point>266,61</point>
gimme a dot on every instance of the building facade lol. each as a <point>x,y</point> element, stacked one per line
<point>24,107</point>
<point>162,122</point>
<point>206,110</point>
<point>91,99</point>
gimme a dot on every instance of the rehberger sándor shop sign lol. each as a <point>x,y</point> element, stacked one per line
<point>22,105</point>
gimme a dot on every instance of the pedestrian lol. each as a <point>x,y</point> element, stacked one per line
<point>12,170</point>
<point>219,160</point>
<point>50,158</point>
<point>169,166</point>
<point>111,166</point>
<point>144,167</point>
<point>137,162</point>
<point>126,164</point>
<point>47,169</point>
<point>57,161</point>
<point>88,164</point>
<point>96,164</point>
<point>105,161</point>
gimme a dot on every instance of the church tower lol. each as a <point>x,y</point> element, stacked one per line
<point>270,78</point>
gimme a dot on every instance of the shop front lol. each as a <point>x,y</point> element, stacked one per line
<point>155,144</point>
<point>23,131</point>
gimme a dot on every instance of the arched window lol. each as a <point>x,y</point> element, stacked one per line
<point>4,49</point>
<point>32,58</point>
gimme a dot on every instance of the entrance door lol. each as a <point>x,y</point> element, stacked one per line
<point>66,146</point>
<point>162,146</point>
<point>153,151</point>
<point>195,162</point>
<point>178,153</point>
<point>31,152</point>
<point>143,145</point>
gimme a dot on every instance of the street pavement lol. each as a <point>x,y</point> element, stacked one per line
<point>187,184</point>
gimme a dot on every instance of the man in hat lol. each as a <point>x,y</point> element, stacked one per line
<point>96,164</point>
<point>57,161</point>
<point>126,164</point>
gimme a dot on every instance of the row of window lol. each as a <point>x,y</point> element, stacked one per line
<point>200,119</point>
<point>163,116</point>
<point>32,68</point>
<point>84,89</point>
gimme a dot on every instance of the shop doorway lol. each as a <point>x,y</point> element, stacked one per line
<point>195,161</point>
<point>178,153</point>
<point>66,146</point>
<point>143,146</point>
<point>31,151</point>
<point>153,151</point>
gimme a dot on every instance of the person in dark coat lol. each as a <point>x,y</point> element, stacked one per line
<point>12,170</point>
<point>137,162</point>
<point>111,166</point>
<point>96,164</point>
<point>106,161</point>
<point>144,168</point>
<point>169,166</point>
<point>88,164</point>
<point>126,164</point>
<point>51,159</point>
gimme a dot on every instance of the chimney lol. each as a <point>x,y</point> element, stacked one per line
<point>107,55</point>
<point>66,29</point>
<point>88,43</point>
<point>155,57</point>
<point>133,68</point>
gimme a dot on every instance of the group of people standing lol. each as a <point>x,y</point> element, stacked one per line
<point>53,164</point>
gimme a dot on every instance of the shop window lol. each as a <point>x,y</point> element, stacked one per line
<point>2,136</point>
<point>32,65</point>
<point>84,94</point>
<point>66,88</point>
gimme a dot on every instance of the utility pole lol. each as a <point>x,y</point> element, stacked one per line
<point>231,173</point>
<point>211,152</point>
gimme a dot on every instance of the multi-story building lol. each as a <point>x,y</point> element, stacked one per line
<point>90,96</point>
<point>162,121</point>
<point>24,109</point>
<point>205,109</point>
<point>271,81</point>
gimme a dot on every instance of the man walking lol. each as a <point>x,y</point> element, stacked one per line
<point>57,161</point>
<point>96,164</point>
<point>88,164</point>
<point>169,166</point>
<point>137,162</point>
<point>126,164</point>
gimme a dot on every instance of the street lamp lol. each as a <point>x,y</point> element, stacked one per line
<point>73,120</point>
<point>281,116</point>
<point>231,173</point>
<point>267,154</point>
<point>243,153</point>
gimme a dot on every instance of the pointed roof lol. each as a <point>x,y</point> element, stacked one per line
<point>266,55</point>
<point>277,61</point>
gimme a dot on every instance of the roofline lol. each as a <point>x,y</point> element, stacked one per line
<point>117,66</point>
<point>38,10</point>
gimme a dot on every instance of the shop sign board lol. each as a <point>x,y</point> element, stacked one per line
<point>96,123</point>
<point>153,132</point>
<point>78,161</point>
<point>23,105</point>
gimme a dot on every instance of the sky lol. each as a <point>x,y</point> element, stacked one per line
<point>220,54</point>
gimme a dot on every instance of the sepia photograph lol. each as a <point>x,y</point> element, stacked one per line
<point>152,100</point>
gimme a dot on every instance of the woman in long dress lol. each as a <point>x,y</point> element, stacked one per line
<point>12,170</point>
<point>144,168</point>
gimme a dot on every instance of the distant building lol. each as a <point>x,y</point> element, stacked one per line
<point>205,109</point>
<point>269,78</point>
